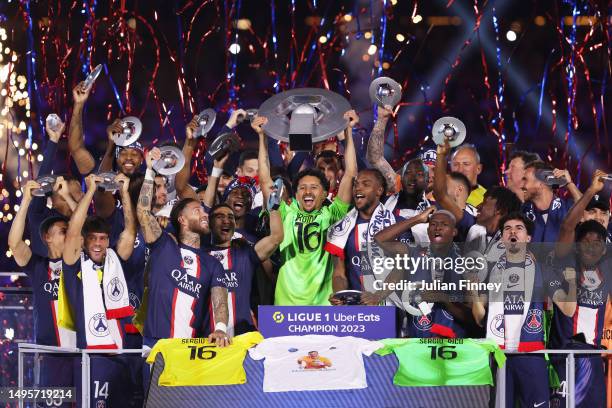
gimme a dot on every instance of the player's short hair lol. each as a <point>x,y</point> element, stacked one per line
<point>329,157</point>
<point>448,214</point>
<point>468,146</point>
<point>314,173</point>
<point>49,222</point>
<point>517,216</point>
<point>538,165</point>
<point>177,210</point>
<point>247,155</point>
<point>586,227</point>
<point>95,224</point>
<point>217,206</point>
<point>379,177</point>
<point>461,178</point>
<point>527,157</point>
<point>506,201</point>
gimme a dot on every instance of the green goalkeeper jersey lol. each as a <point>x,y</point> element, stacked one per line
<point>305,277</point>
<point>434,362</point>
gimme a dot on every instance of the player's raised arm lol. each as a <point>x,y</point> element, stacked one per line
<point>213,181</point>
<point>375,153</point>
<point>439,184</point>
<point>265,180</point>
<point>82,158</point>
<point>387,238</point>
<point>125,245</point>
<point>266,246</point>
<point>181,181</point>
<point>21,251</point>
<point>345,189</point>
<point>72,245</point>
<point>150,227</point>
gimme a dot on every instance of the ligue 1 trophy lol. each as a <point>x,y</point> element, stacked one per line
<point>304,116</point>
<point>449,128</point>
<point>250,115</point>
<point>227,142</point>
<point>548,178</point>
<point>46,186</point>
<point>131,130</point>
<point>108,182</point>
<point>171,161</point>
<point>385,91</point>
<point>206,120</point>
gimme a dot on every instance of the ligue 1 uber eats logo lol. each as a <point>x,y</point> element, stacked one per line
<point>278,317</point>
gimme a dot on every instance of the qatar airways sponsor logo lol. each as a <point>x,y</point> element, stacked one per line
<point>186,282</point>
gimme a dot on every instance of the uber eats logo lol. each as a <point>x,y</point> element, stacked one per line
<point>278,317</point>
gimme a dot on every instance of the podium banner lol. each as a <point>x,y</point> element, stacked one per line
<point>368,322</point>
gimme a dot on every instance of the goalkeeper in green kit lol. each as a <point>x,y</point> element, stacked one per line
<point>305,277</point>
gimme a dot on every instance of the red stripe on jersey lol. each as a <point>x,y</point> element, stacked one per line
<point>57,336</point>
<point>229,259</point>
<point>199,267</point>
<point>595,342</point>
<point>233,296</point>
<point>104,347</point>
<point>356,229</point>
<point>253,319</point>
<point>172,314</point>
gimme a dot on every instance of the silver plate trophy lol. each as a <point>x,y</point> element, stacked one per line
<point>206,120</point>
<point>450,128</point>
<point>46,186</point>
<point>385,91</point>
<point>132,128</point>
<point>53,122</point>
<point>607,177</point>
<point>349,297</point>
<point>108,182</point>
<point>304,116</point>
<point>227,142</point>
<point>250,115</point>
<point>171,161</point>
<point>276,195</point>
<point>93,75</point>
<point>547,177</point>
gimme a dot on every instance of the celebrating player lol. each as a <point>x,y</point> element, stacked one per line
<point>305,276</point>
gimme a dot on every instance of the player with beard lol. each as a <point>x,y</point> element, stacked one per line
<point>240,261</point>
<point>239,193</point>
<point>542,206</point>
<point>95,287</point>
<point>445,316</point>
<point>349,238</point>
<point>183,277</point>
<point>305,276</point>
<point>513,316</point>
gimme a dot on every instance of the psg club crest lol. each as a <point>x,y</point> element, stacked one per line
<point>98,325</point>
<point>497,325</point>
<point>513,278</point>
<point>114,289</point>
<point>422,322</point>
<point>533,321</point>
<point>188,260</point>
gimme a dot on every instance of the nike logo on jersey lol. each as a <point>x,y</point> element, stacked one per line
<point>538,405</point>
<point>511,286</point>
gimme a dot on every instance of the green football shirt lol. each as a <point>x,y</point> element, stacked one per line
<point>305,277</point>
<point>434,362</point>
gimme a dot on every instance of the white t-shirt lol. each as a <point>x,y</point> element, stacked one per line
<point>313,362</point>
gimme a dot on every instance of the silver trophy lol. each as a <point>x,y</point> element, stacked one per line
<point>46,186</point>
<point>607,177</point>
<point>548,178</point>
<point>449,128</point>
<point>53,122</point>
<point>93,75</point>
<point>108,182</point>
<point>304,116</point>
<point>171,161</point>
<point>385,91</point>
<point>131,130</point>
<point>224,143</point>
<point>206,120</point>
<point>250,115</point>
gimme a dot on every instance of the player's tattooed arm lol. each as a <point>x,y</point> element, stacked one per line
<point>150,227</point>
<point>125,245</point>
<point>21,251</point>
<point>375,153</point>
<point>181,181</point>
<point>218,296</point>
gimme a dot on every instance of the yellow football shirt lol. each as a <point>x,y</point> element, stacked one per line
<point>193,362</point>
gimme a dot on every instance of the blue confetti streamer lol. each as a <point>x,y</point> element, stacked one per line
<point>31,71</point>
<point>115,90</point>
<point>500,82</point>
<point>275,47</point>
<point>383,24</point>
